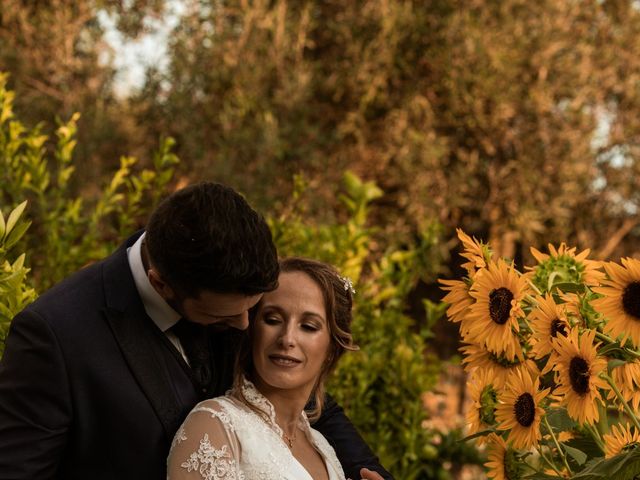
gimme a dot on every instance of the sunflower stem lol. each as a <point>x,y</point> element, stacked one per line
<point>595,435</point>
<point>531,300</point>
<point>626,406</point>
<point>560,450</point>
<point>536,289</point>
<point>549,462</point>
<point>608,339</point>
<point>603,423</point>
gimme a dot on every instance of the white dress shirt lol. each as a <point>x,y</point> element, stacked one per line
<point>156,307</point>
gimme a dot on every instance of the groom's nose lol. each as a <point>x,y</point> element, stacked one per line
<point>240,322</point>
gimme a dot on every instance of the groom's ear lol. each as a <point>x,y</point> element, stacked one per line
<point>160,285</point>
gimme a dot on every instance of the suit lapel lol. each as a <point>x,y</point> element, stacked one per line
<point>140,340</point>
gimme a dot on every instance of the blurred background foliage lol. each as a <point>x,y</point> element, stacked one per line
<point>517,121</point>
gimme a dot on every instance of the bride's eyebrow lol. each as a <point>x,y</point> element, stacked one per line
<point>271,306</point>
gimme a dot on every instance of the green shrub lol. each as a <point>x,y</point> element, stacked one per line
<point>72,225</point>
<point>15,292</point>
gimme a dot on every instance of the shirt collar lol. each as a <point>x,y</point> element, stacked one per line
<point>156,307</point>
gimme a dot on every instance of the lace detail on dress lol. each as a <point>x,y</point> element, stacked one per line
<point>220,414</point>
<point>180,436</point>
<point>255,398</point>
<point>213,464</point>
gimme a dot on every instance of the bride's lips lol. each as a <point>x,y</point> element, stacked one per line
<point>284,360</point>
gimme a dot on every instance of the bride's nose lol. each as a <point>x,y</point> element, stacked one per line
<point>287,335</point>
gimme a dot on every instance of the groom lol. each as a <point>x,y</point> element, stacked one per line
<point>98,373</point>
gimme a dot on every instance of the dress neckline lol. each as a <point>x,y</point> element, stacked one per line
<point>256,399</point>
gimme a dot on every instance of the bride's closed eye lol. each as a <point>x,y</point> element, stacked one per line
<point>310,327</point>
<point>271,320</point>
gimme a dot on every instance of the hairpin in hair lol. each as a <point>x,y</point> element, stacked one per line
<point>348,284</point>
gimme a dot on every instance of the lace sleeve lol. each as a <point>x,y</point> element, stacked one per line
<point>205,446</point>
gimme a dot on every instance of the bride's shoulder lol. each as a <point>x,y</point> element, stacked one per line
<point>219,407</point>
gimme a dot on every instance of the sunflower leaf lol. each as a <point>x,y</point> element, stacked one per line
<point>541,476</point>
<point>612,348</point>
<point>560,420</point>
<point>482,433</point>
<point>621,467</point>
<point>586,445</point>
<point>614,363</point>
<point>569,287</point>
<point>578,455</point>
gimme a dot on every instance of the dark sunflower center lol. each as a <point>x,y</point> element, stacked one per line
<point>558,327</point>
<point>579,375</point>
<point>631,300</point>
<point>525,410</point>
<point>500,305</point>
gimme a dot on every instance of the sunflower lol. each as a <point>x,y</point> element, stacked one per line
<point>475,252</point>
<point>477,357</point>
<point>458,299</point>
<point>503,463</point>
<point>577,368</point>
<point>621,300</point>
<point>519,410</point>
<point>620,439</point>
<point>548,320</point>
<point>563,265</point>
<point>627,378</point>
<point>493,318</point>
<point>481,415</point>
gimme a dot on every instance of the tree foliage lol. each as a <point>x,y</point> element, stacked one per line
<point>60,63</point>
<point>515,120</point>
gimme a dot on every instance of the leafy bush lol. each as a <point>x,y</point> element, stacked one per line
<point>68,230</point>
<point>15,292</point>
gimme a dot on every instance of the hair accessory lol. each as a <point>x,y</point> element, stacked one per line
<point>348,284</point>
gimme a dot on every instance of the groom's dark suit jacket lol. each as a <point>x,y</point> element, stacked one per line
<point>91,389</point>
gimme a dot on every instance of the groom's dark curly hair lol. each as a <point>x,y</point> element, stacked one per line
<point>206,237</point>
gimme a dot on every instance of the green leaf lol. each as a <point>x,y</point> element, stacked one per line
<point>482,433</point>
<point>578,455</point>
<point>16,234</point>
<point>586,445</point>
<point>621,467</point>
<point>19,263</point>
<point>2,226</point>
<point>14,216</point>
<point>560,420</point>
<point>541,476</point>
<point>569,287</point>
<point>614,363</point>
<point>612,348</point>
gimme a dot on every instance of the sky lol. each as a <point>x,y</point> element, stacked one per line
<point>130,57</point>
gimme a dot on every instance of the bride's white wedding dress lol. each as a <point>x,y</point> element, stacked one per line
<point>224,439</point>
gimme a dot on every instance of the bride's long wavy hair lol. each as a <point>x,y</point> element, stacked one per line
<point>338,301</point>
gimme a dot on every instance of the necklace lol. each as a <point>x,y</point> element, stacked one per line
<point>289,439</point>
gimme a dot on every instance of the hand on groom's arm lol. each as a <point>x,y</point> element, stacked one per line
<point>367,474</point>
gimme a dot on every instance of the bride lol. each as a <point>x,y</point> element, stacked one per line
<point>259,429</point>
